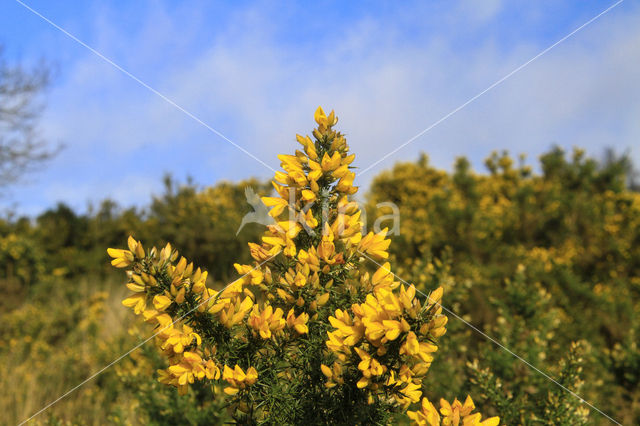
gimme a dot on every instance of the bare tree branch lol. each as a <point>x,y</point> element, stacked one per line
<point>22,149</point>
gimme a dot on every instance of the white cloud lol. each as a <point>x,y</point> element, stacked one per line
<point>479,11</point>
<point>386,87</point>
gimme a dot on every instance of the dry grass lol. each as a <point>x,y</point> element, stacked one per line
<point>49,348</point>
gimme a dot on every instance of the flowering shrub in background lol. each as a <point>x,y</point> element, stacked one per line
<point>548,264</point>
<point>20,259</point>
<point>306,334</point>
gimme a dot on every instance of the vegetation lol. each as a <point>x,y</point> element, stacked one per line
<point>546,264</point>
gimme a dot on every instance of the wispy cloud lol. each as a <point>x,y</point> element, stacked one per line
<point>388,75</point>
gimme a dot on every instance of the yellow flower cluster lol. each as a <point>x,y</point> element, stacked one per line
<point>452,414</point>
<point>267,321</point>
<point>307,271</point>
<point>238,379</point>
<point>161,287</point>
<point>186,369</point>
<point>392,334</point>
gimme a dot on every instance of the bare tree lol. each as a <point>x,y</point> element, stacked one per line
<point>21,105</point>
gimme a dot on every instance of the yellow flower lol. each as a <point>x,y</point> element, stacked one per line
<point>330,163</point>
<point>262,253</point>
<point>161,302</point>
<point>427,416</point>
<point>383,276</point>
<point>251,274</point>
<point>189,368</point>
<point>137,301</point>
<point>315,171</point>
<point>369,367</point>
<point>322,119</point>
<point>135,247</point>
<point>309,258</point>
<point>266,322</point>
<point>334,375</point>
<point>322,299</point>
<point>326,371</point>
<point>453,413</point>
<point>345,184</point>
<point>238,379</point>
<point>375,245</point>
<point>121,258</point>
<point>235,312</point>
<point>282,236</point>
<point>199,282</point>
<point>176,340</point>
<point>327,249</point>
<point>309,146</point>
<point>409,394</point>
<point>308,195</point>
<point>298,323</point>
<point>347,333</point>
<point>415,348</point>
<point>278,205</point>
<point>308,219</point>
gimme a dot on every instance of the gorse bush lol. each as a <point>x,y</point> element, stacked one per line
<point>548,264</point>
<point>20,259</point>
<point>21,263</point>
<point>204,223</point>
<point>315,330</point>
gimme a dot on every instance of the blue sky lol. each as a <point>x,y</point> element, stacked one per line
<point>256,71</point>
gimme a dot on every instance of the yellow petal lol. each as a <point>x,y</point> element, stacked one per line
<point>161,302</point>
<point>319,115</point>
<point>229,390</point>
<point>326,371</point>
